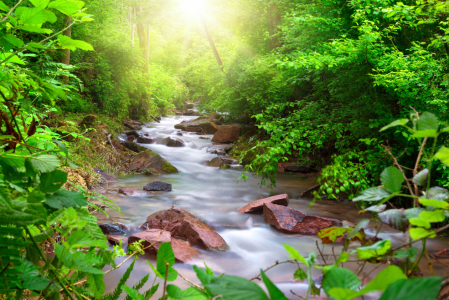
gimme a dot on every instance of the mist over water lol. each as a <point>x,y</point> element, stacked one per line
<point>213,195</point>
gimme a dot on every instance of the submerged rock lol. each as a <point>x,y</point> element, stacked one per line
<point>174,142</point>
<point>182,250</point>
<point>134,192</point>
<point>119,228</point>
<point>145,140</point>
<point>202,124</point>
<point>150,163</point>
<point>299,169</point>
<point>257,205</point>
<point>114,239</point>
<point>158,186</point>
<point>105,175</point>
<point>184,225</point>
<point>226,134</point>
<point>294,221</point>
<point>218,162</point>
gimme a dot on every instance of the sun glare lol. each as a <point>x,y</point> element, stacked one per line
<point>192,7</point>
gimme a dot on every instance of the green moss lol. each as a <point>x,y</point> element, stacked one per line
<point>223,166</point>
<point>169,168</point>
<point>152,171</point>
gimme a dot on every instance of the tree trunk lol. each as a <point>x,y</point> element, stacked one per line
<point>212,44</point>
<point>133,25</point>
<point>66,52</point>
<point>274,18</point>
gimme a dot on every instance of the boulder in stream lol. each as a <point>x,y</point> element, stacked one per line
<point>203,125</point>
<point>182,250</point>
<point>105,175</point>
<point>257,206</point>
<point>133,125</point>
<point>145,140</point>
<point>184,225</point>
<point>218,162</point>
<point>130,192</point>
<point>226,134</point>
<point>150,163</point>
<point>294,221</point>
<point>118,228</point>
<point>158,186</point>
<point>134,147</point>
<point>174,142</point>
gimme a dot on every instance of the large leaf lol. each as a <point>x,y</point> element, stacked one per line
<point>433,216</point>
<point>96,284</point>
<point>52,181</point>
<point>421,177</point>
<point>40,3</point>
<point>395,218</point>
<point>420,222</point>
<point>64,198</point>
<point>400,122</point>
<point>385,277</point>
<point>295,254</point>
<point>420,233</point>
<point>82,238</point>
<point>435,203</point>
<point>15,161</point>
<point>188,294</point>
<point>412,213</point>
<point>342,278</point>
<point>428,121</point>
<point>273,290</point>
<point>372,194</point>
<point>67,43</point>
<point>377,249</point>
<point>392,179</point>
<point>45,163</point>
<point>330,235</point>
<point>33,16</point>
<point>235,288</point>
<point>437,193</point>
<point>66,7</point>
<point>413,289</point>
<point>3,7</point>
<point>361,225</point>
<point>443,155</point>
<point>203,276</point>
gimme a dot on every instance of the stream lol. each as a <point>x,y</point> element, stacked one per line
<point>213,195</point>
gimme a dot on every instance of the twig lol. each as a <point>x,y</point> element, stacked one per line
<point>429,262</point>
<point>272,266</point>
<point>322,256</point>
<point>109,140</point>
<point>165,280</point>
<point>296,294</point>
<point>12,9</point>
<point>192,283</point>
<point>400,168</point>
<point>439,261</point>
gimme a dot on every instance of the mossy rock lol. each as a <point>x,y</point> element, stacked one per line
<point>88,121</point>
<point>134,147</point>
<point>66,133</point>
<point>150,163</point>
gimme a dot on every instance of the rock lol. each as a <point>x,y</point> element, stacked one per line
<point>132,132</point>
<point>257,205</point>
<point>220,152</point>
<point>130,138</point>
<point>149,162</point>
<point>134,147</point>
<point>88,121</point>
<point>158,186</point>
<point>66,133</point>
<point>105,175</point>
<point>182,250</point>
<point>298,169</point>
<point>309,192</point>
<point>174,142</point>
<point>202,124</point>
<point>189,105</point>
<point>146,140</point>
<point>176,112</point>
<point>115,239</point>
<point>191,112</point>
<point>133,125</point>
<point>112,229</point>
<point>226,134</point>
<point>218,163</point>
<point>203,138</point>
<point>294,221</point>
<point>179,133</point>
<point>228,148</point>
<point>134,192</point>
<point>184,225</point>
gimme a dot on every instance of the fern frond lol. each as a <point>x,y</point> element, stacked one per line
<point>118,290</point>
<point>92,225</point>
<point>139,285</point>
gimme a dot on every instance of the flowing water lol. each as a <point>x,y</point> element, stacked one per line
<point>213,195</point>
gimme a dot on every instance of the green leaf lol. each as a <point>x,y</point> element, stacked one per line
<point>64,198</point>
<point>36,284</point>
<point>421,177</point>
<point>82,238</point>
<point>40,3</point>
<point>443,155</point>
<point>165,256</point>
<point>400,122</point>
<point>425,133</point>
<point>35,196</point>
<point>361,225</point>
<point>392,179</point>
<point>412,213</point>
<point>377,249</point>
<point>385,277</point>
<point>67,43</point>
<point>428,121</point>
<point>372,194</point>
<point>4,7</point>
<point>45,163</point>
<point>420,233</point>
<point>437,193</point>
<point>64,6</point>
<point>52,181</point>
<point>235,288</point>
<point>413,289</point>
<point>300,274</point>
<point>433,216</point>
<point>132,293</point>
<point>34,29</point>
<point>96,284</point>
<point>420,223</point>
<point>204,277</point>
<point>342,278</point>
<point>15,161</point>
<point>294,254</point>
<point>343,294</point>
<point>395,218</point>
<point>13,40</point>
<point>435,203</point>
<point>33,16</point>
<point>273,290</point>
<point>330,235</point>
<point>188,294</point>
<point>51,17</point>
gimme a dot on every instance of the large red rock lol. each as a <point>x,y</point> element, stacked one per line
<point>203,125</point>
<point>155,237</point>
<point>258,204</point>
<point>226,134</point>
<point>294,221</point>
<point>184,225</point>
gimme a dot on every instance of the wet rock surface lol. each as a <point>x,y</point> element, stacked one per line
<point>105,175</point>
<point>112,229</point>
<point>150,163</point>
<point>158,186</point>
<point>174,142</point>
<point>204,125</point>
<point>294,221</point>
<point>114,239</point>
<point>226,134</point>
<point>182,224</point>
<point>218,162</point>
<point>145,140</point>
<point>257,206</point>
<point>133,146</point>
<point>182,250</point>
<point>299,169</point>
<point>134,192</point>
